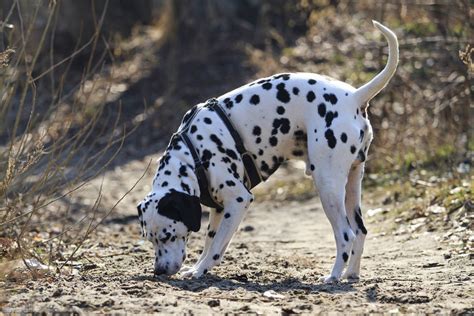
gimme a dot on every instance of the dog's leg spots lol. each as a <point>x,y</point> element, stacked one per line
<point>215,219</point>
<point>354,216</point>
<point>332,191</point>
<point>234,213</point>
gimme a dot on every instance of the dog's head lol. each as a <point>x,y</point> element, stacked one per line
<point>167,221</point>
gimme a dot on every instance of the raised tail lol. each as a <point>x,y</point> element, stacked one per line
<point>369,90</point>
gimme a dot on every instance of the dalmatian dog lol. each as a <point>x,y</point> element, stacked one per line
<point>299,115</point>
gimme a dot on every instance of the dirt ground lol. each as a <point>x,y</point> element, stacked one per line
<point>273,266</point>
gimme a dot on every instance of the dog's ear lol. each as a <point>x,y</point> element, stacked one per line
<point>182,207</point>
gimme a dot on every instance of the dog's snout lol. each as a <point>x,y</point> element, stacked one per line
<point>160,271</point>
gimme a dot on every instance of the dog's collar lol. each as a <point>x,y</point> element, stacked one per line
<point>251,172</point>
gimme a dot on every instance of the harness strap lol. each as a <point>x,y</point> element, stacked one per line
<point>206,197</point>
<point>252,175</point>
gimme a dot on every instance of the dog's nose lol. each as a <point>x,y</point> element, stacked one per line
<point>160,271</point>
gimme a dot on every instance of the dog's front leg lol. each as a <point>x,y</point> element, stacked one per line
<point>215,218</point>
<point>331,184</point>
<point>234,211</point>
<point>354,213</point>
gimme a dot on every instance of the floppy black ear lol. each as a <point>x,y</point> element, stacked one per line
<point>182,207</point>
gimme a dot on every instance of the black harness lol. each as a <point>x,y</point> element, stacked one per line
<point>252,175</point>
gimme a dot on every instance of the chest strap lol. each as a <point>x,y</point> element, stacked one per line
<point>206,197</point>
<point>252,175</point>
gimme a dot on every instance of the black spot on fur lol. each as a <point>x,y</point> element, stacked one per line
<point>185,187</point>
<point>346,237</point>
<point>343,137</point>
<point>361,135</point>
<point>311,81</point>
<point>273,141</point>
<point>359,221</point>
<point>267,86</point>
<point>255,99</point>
<point>230,183</point>
<point>283,76</point>
<point>206,156</point>
<point>353,149</point>
<point>216,256</point>
<point>329,97</point>
<point>228,103</point>
<point>258,140</point>
<point>174,144</point>
<point>193,129</point>
<point>231,154</point>
<point>238,98</point>
<point>322,109</point>
<point>296,91</point>
<point>182,171</point>
<point>282,94</point>
<point>264,166</point>
<point>211,233</point>
<point>216,140</point>
<point>329,117</point>
<point>345,257</point>
<point>280,110</point>
<point>260,152</point>
<point>227,215</point>
<point>239,199</point>
<point>282,124</point>
<point>312,167</point>
<point>199,137</point>
<point>164,184</point>
<point>257,130</point>
<point>188,115</point>
<point>329,134</point>
<point>310,96</point>
<point>207,120</point>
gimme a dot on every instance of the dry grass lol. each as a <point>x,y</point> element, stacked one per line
<point>52,141</point>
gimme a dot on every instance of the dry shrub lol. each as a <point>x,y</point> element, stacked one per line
<point>55,135</point>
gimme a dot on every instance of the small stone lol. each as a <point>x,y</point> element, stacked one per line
<point>248,228</point>
<point>214,303</point>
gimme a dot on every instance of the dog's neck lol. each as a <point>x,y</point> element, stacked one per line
<point>176,171</point>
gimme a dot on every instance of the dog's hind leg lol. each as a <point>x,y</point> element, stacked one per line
<point>354,214</point>
<point>330,178</point>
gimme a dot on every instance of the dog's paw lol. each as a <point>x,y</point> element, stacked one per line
<point>185,269</point>
<point>351,276</point>
<point>329,279</point>
<point>193,273</point>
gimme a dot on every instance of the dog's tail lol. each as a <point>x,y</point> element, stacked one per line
<point>365,93</point>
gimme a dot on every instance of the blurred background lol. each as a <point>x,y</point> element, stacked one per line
<point>89,86</point>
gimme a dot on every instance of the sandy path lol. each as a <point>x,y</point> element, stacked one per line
<point>281,247</point>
